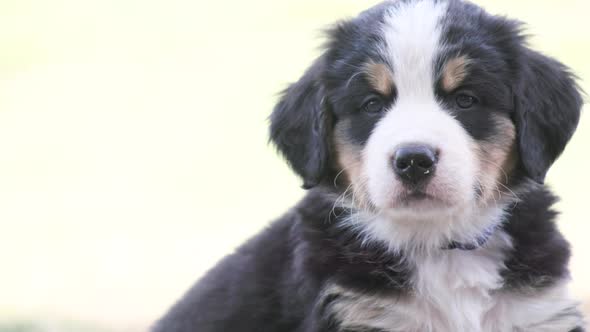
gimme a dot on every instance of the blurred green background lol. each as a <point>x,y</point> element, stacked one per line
<point>133,145</point>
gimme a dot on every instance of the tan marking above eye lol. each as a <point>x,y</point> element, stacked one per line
<point>454,72</point>
<point>380,77</point>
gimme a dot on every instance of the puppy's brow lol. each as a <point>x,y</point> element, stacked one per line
<point>454,72</point>
<point>380,77</point>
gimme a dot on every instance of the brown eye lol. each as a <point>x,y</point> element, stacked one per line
<point>465,101</point>
<point>373,105</point>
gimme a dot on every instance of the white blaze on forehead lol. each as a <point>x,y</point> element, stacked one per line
<point>412,37</point>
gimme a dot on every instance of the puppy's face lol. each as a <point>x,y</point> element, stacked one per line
<point>424,118</point>
<point>425,113</point>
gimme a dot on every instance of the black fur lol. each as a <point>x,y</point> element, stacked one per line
<point>274,281</point>
<point>548,106</point>
<point>540,251</point>
<point>300,126</point>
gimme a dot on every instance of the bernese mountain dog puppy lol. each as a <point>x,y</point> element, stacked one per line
<point>423,134</point>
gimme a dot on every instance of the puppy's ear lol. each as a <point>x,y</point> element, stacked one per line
<point>547,105</point>
<point>300,125</point>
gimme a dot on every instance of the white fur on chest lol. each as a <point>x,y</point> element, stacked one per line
<point>458,291</point>
<point>455,290</point>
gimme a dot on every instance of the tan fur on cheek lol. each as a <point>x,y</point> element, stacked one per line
<point>497,159</point>
<point>454,72</point>
<point>350,164</point>
<point>380,77</point>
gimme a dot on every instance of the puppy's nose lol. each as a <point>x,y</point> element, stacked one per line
<point>414,163</point>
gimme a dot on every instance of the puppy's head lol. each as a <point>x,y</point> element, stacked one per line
<point>427,112</point>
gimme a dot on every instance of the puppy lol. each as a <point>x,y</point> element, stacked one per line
<point>423,134</point>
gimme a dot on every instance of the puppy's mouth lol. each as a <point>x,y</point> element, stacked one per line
<point>416,195</point>
<point>418,198</point>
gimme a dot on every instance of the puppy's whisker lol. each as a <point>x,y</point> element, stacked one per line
<point>499,167</point>
<point>345,168</point>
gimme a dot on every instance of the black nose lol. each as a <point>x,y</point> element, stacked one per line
<point>414,163</point>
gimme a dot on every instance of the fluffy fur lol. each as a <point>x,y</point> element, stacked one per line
<point>470,244</point>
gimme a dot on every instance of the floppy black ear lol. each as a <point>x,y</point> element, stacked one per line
<point>548,104</point>
<point>299,126</point>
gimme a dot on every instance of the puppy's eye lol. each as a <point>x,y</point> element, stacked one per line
<point>373,105</point>
<point>465,101</point>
